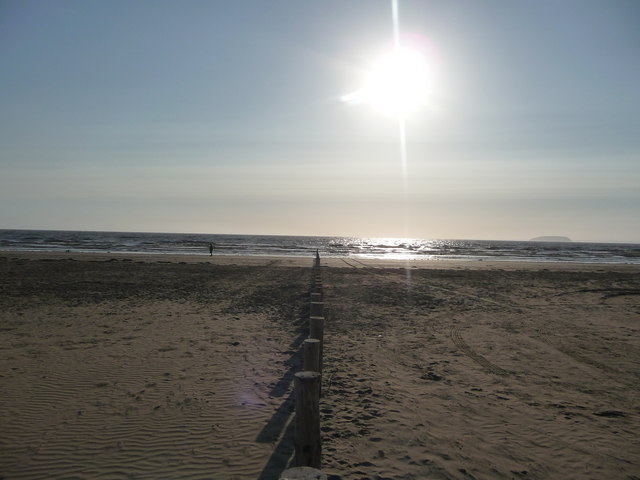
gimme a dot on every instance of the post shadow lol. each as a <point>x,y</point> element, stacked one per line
<point>274,426</point>
<point>279,460</point>
<point>272,430</point>
<point>294,363</point>
<point>282,419</point>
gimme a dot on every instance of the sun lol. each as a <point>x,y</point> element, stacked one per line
<point>397,84</point>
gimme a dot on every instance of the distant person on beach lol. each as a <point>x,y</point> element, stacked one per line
<point>211,249</point>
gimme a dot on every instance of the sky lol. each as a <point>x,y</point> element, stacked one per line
<point>228,117</point>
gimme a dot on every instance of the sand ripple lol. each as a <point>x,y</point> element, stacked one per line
<point>129,388</point>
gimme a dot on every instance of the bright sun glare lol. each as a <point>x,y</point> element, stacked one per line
<point>397,84</point>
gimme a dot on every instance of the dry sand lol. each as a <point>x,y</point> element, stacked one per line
<point>164,367</point>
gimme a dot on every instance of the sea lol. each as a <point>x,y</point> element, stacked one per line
<point>264,245</point>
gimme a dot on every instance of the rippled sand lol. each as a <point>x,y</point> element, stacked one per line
<point>180,367</point>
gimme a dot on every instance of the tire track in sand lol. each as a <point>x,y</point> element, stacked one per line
<point>455,331</point>
<point>544,335</point>
<point>469,352</point>
<point>449,291</point>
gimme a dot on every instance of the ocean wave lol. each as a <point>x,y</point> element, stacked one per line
<point>198,244</point>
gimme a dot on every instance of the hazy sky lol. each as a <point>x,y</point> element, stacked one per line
<point>226,117</point>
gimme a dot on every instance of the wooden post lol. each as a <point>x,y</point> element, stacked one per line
<point>316,330</point>
<point>307,443</point>
<point>316,309</point>
<point>311,355</point>
<point>302,473</point>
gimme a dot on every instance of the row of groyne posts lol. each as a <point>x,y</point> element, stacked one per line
<point>308,389</point>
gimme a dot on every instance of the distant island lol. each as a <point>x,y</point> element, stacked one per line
<point>551,239</point>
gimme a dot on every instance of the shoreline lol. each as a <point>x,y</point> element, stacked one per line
<point>333,262</point>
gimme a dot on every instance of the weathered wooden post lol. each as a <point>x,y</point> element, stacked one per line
<point>311,355</point>
<point>316,330</point>
<point>316,309</point>
<point>302,473</point>
<point>307,443</point>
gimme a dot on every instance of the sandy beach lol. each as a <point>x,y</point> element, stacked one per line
<point>120,366</point>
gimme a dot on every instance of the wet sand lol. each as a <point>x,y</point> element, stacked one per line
<point>156,366</point>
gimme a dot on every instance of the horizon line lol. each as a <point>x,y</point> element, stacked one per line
<point>625,242</point>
